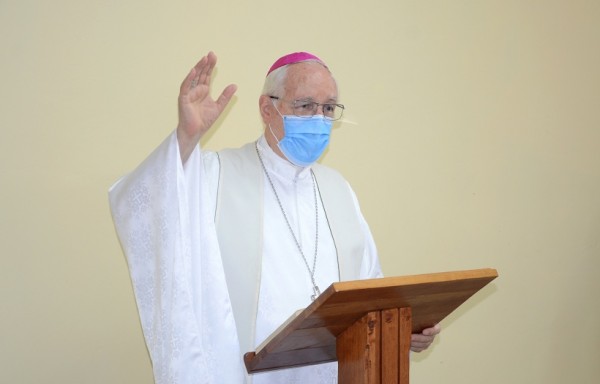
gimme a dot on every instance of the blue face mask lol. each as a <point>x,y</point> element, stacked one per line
<point>305,138</point>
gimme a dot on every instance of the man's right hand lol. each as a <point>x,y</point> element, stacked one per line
<point>197,110</point>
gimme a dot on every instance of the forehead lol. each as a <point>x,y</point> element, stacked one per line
<point>310,80</point>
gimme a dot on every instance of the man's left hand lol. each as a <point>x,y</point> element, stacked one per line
<point>421,341</point>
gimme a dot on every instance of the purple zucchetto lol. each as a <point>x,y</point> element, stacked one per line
<point>292,58</point>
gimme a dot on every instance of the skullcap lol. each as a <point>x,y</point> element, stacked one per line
<point>292,58</point>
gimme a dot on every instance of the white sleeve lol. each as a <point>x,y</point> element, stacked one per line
<point>162,215</point>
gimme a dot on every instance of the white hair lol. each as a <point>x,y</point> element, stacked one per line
<point>275,81</point>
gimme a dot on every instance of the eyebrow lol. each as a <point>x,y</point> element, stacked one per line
<point>331,100</point>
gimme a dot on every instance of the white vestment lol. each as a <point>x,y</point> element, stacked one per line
<point>164,214</point>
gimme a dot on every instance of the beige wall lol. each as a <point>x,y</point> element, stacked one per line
<point>476,145</point>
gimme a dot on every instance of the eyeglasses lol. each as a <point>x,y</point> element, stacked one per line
<point>309,108</point>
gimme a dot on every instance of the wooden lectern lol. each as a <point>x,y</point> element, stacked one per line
<point>366,325</point>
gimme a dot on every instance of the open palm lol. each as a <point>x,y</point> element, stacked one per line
<point>197,109</point>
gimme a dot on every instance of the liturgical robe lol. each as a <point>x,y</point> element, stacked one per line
<point>165,213</point>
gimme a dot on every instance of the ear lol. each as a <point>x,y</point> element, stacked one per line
<point>267,109</point>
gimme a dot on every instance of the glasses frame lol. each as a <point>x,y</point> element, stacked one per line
<point>322,105</point>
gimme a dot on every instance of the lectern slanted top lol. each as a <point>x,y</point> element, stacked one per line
<point>310,336</point>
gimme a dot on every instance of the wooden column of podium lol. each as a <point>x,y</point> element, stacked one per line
<point>366,325</point>
<point>375,349</point>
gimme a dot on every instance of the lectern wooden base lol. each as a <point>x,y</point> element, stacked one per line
<point>366,325</point>
<point>376,349</point>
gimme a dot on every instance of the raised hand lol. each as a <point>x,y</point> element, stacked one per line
<point>197,110</point>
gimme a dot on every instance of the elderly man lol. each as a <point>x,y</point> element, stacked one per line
<point>223,247</point>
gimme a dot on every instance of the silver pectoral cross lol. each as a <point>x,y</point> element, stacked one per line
<point>317,292</point>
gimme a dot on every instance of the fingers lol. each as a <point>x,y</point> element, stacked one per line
<point>421,341</point>
<point>186,85</point>
<point>433,330</point>
<point>204,69</point>
<point>196,84</point>
<point>199,74</point>
<point>226,96</point>
<point>189,83</point>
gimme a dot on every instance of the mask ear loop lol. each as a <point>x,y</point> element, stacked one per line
<point>271,129</point>
<point>277,109</point>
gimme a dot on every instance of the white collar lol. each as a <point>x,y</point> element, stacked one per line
<point>278,166</point>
